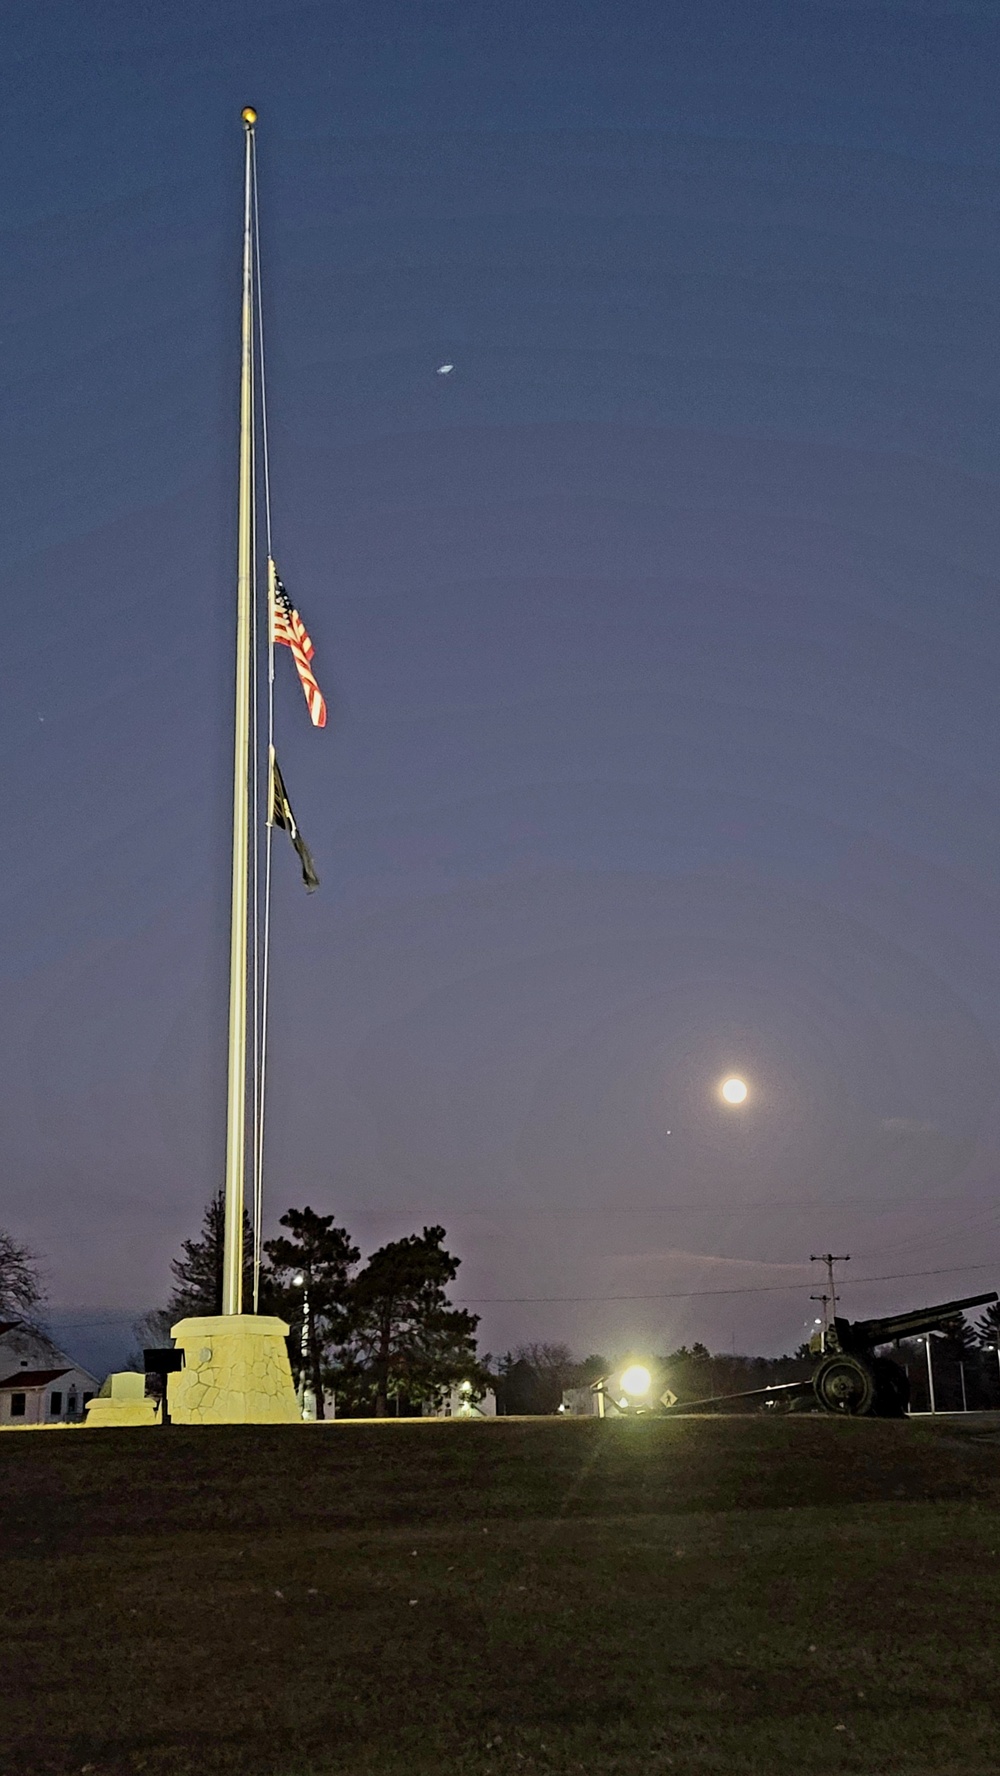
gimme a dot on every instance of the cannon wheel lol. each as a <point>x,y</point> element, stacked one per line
<point>844,1384</point>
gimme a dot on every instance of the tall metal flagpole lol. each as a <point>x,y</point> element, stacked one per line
<point>234,1366</point>
<point>232,1264</point>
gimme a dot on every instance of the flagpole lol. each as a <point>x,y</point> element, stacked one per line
<point>232,1264</point>
<point>234,1368</point>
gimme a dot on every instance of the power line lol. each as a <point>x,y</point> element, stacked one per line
<point>701,1294</point>
<point>958,1228</point>
<point>671,1295</point>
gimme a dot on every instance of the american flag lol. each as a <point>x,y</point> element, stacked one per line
<point>288,628</point>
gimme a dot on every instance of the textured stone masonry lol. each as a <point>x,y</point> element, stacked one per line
<point>236,1371</point>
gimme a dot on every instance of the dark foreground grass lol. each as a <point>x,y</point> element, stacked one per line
<point>745,1596</point>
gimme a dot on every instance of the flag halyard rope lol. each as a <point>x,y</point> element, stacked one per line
<point>255,876</point>
<point>283,625</point>
<point>262,923</point>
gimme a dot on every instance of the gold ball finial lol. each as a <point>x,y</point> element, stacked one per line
<point>249,116</point>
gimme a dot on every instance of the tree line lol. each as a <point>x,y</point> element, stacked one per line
<point>384,1336</point>
<point>378,1335</point>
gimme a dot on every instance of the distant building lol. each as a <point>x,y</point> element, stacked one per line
<point>581,1402</point>
<point>457,1403</point>
<point>39,1383</point>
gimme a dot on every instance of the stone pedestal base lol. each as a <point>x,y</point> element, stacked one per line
<point>236,1371</point>
<point>122,1401</point>
<point>109,1413</point>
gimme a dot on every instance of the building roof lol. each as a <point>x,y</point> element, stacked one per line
<point>31,1378</point>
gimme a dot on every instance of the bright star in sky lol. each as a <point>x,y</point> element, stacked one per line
<point>734,1090</point>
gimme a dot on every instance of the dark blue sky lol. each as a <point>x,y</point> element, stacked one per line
<point>662,640</point>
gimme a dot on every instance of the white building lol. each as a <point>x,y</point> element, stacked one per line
<point>39,1383</point>
<point>458,1403</point>
<point>581,1402</point>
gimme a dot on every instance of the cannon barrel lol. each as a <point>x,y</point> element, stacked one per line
<point>855,1334</point>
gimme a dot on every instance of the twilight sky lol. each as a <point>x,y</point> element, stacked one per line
<point>662,640</point>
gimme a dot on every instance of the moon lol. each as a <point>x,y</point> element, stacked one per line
<point>734,1090</point>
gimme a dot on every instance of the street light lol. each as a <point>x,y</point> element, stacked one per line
<point>306,1394</point>
<point>465,1406</point>
<point>635,1381</point>
<point>633,1390</point>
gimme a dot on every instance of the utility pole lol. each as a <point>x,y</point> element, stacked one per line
<point>830,1259</point>
<point>825,1299</point>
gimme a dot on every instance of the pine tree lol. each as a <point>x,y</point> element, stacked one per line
<point>322,1255</point>
<point>198,1273</point>
<point>404,1336</point>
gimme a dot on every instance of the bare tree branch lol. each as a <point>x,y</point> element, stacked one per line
<point>21,1292</point>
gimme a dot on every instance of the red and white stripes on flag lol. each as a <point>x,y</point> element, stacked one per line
<point>288,628</point>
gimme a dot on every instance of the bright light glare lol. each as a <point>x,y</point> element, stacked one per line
<point>636,1380</point>
<point>734,1091</point>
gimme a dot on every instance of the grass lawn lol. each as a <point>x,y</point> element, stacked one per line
<point>785,1597</point>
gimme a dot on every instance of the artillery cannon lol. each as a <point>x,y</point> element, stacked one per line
<point>850,1377</point>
